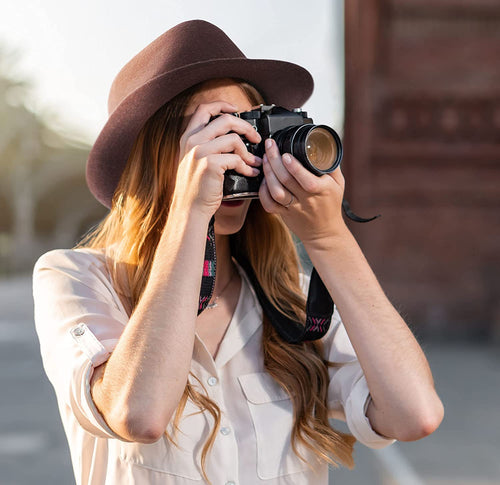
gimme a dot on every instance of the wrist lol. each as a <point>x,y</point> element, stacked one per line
<point>333,241</point>
<point>342,266</point>
<point>180,250</point>
<point>193,208</point>
<point>190,214</point>
<point>183,228</point>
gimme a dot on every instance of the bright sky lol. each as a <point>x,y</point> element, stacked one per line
<point>73,50</point>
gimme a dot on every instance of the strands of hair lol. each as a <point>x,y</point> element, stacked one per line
<point>130,234</point>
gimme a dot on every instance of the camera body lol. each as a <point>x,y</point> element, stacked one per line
<point>317,147</point>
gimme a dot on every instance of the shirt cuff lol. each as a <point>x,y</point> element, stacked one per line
<point>94,353</point>
<point>357,421</point>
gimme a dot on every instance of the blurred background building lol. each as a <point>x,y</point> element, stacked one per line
<point>44,200</point>
<point>422,147</point>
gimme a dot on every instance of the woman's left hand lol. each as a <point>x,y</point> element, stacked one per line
<point>310,206</point>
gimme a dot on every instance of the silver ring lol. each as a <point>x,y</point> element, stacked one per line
<point>289,203</point>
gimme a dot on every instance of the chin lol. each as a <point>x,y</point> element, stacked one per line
<point>230,219</point>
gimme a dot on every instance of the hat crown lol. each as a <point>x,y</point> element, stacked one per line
<point>185,44</point>
<point>185,55</point>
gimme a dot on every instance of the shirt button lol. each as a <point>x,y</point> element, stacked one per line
<point>225,431</point>
<point>212,381</point>
<point>78,331</point>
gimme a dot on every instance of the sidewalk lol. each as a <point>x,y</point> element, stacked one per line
<point>464,451</point>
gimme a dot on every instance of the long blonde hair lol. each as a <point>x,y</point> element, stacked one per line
<point>129,236</point>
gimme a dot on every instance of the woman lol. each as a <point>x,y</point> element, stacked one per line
<point>151,392</point>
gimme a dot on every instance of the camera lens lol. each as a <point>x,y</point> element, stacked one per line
<point>321,148</point>
<point>317,147</point>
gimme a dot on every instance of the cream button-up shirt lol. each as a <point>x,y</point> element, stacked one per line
<point>79,318</point>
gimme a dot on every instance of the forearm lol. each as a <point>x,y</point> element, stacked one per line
<point>404,403</point>
<point>145,376</point>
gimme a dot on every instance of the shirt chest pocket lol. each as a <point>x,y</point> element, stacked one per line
<point>272,414</point>
<point>163,457</point>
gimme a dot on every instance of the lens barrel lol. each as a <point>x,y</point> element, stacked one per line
<point>317,147</point>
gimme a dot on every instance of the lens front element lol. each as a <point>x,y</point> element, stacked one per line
<point>321,149</point>
<point>317,147</point>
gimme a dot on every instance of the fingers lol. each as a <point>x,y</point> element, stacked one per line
<point>338,176</point>
<point>227,122</point>
<point>200,129</point>
<point>201,116</point>
<point>279,193</point>
<point>286,176</point>
<point>231,161</point>
<point>290,172</point>
<point>266,199</point>
<point>228,144</point>
<point>277,170</point>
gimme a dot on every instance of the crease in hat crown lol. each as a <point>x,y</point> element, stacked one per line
<point>189,53</point>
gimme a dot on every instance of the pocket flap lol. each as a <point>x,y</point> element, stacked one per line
<point>260,388</point>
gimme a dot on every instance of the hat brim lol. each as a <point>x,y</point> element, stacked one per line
<point>280,82</point>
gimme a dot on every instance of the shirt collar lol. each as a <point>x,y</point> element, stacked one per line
<point>247,318</point>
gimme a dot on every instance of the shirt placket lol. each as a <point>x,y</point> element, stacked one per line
<point>223,461</point>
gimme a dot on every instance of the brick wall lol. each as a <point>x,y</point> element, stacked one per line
<point>422,147</point>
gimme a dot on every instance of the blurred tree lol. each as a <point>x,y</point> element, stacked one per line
<point>35,163</point>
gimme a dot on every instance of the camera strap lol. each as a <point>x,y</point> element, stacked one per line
<point>319,306</point>
<point>354,217</point>
<point>209,266</point>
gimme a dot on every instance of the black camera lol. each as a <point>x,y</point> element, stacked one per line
<point>317,147</point>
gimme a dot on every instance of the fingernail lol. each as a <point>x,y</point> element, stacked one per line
<point>269,143</point>
<point>256,171</point>
<point>258,160</point>
<point>287,158</point>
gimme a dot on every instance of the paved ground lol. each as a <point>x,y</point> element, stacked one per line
<point>464,451</point>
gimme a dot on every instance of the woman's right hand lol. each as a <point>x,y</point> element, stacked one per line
<point>206,150</point>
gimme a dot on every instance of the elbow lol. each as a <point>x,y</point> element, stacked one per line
<point>140,427</point>
<point>146,433</point>
<point>133,418</point>
<point>423,422</point>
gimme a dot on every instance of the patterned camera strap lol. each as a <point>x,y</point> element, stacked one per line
<point>209,265</point>
<point>319,307</point>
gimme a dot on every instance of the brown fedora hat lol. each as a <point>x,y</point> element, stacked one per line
<point>183,56</point>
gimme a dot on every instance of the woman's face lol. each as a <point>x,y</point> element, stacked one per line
<point>230,216</point>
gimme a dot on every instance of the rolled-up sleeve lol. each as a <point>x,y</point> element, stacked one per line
<point>79,319</point>
<point>348,393</point>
